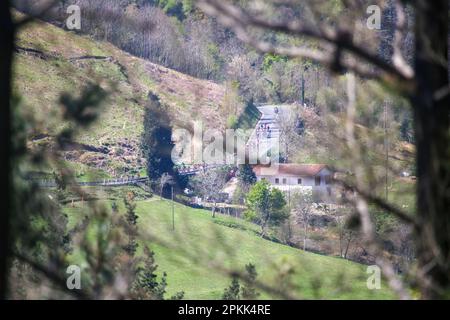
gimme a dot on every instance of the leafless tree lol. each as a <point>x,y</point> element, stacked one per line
<point>209,183</point>
<point>290,137</point>
<point>239,69</point>
<point>406,243</point>
<point>303,205</point>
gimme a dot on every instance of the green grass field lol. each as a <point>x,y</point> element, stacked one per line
<point>191,254</point>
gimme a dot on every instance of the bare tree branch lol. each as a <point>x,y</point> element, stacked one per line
<point>397,57</point>
<point>367,227</point>
<point>49,5</point>
<point>405,217</point>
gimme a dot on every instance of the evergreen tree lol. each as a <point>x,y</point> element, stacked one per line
<point>248,290</point>
<point>147,285</point>
<point>233,291</point>
<point>406,130</point>
<point>157,142</point>
<point>147,280</point>
<point>246,175</point>
<point>131,219</point>
<point>130,205</point>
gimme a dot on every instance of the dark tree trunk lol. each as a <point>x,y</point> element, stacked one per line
<point>349,240</point>
<point>6,41</point>
<point>432,127</point>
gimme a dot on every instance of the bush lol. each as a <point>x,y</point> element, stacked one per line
<point>232,121</point>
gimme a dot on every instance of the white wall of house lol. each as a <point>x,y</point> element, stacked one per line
<point>288,183</point>
<point>298,181</point>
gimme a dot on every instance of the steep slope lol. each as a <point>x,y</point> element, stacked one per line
<point>51,61</point>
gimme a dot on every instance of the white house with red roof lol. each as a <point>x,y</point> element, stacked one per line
<point>292,176</point>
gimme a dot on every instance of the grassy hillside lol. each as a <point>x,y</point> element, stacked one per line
<point>51,61</point>
<point>190,255</point>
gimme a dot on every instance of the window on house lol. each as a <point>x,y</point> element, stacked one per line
<point>299,181</point>
<point>277,181</point>
<point>327,179</point>
<point>284,181</point>
<point>317,180</point>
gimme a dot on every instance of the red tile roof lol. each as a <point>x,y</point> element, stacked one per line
<point>289,169</point>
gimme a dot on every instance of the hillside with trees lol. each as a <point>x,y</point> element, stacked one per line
<point>50,61</point>
<point>343,105</point>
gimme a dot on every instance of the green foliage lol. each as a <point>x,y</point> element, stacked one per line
<point>258,196</point>
<point>188,6</point>
<point>230,224</point>
<point>147,279</point>
<point>233,291</point>
<point>38,226</point>
<point>232,121</point>
<point>101,244</point>
<point>131,219</point>
<point>177,8</point>
<point>248,291</point>
<point>250,215</point>
<point>42,234</point>
<point>277,204</point>
<point>266,204</point>
<point>130,205</point>
<point>189,271</point>
<point>385,222</point>
<point>270,59</point>
<point>147,285</point>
